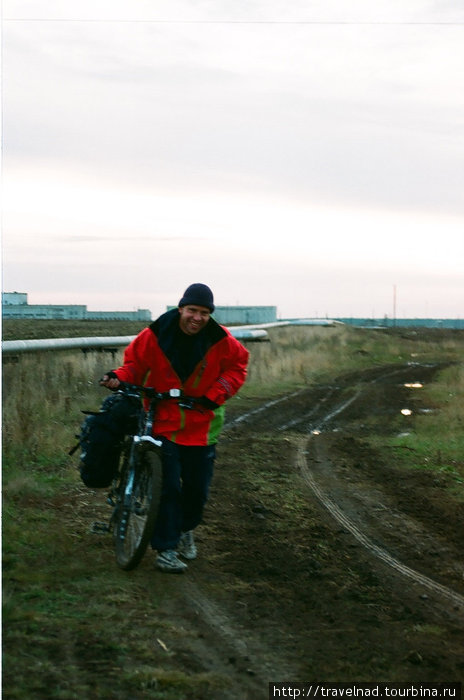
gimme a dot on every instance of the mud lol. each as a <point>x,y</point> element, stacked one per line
<point>283,590</point>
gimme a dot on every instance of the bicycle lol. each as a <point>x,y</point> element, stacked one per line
<point>136,489</point>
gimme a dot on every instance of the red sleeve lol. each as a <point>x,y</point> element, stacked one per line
<point>232,373</point>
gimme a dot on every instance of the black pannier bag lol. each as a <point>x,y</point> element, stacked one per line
<point>101,439</point>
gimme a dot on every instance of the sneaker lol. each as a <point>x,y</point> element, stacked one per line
<point>187,548</point>
<point>168,561</point>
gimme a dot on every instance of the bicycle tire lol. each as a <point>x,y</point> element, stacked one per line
<point>137,509</point>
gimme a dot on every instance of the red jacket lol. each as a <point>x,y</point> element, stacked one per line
<point>217,370</point>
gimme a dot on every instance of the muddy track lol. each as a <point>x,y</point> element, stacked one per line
<point>330,564</point>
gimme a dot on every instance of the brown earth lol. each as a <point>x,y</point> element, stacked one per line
<point>283,590</point>
<point>319,558</point>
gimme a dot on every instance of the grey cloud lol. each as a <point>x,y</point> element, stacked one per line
<point>184,119</point>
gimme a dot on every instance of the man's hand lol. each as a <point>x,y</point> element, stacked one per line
<point>207,403</point>
<point>111,382</point>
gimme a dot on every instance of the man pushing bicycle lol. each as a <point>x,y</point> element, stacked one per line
<point>185,348</point>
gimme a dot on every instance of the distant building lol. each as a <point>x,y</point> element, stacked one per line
<point>14,298</point>
<point>243,315</point>
<point>14,305</point>
<point>385,322</point>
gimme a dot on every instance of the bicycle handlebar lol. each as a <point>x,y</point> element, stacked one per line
<point>148,391</point>
<point>151,393</point>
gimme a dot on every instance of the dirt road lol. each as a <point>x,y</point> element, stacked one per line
<point>319,559</point>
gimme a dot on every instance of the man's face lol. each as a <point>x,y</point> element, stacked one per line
<point>193,319</point>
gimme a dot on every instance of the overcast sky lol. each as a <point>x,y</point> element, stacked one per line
<point>307,155</point>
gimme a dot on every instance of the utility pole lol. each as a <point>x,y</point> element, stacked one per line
<point>394,305</point>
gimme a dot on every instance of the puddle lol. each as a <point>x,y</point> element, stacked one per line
<point>406,412</point>
<point>413,385</point>
<point>315,432</point>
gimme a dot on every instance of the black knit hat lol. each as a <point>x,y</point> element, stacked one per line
<point>199,295</point>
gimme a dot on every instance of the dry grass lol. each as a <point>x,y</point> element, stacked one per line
<point>298,356</point>
<point>43,394</point>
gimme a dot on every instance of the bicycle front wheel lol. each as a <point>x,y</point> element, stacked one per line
<point>135,516</point>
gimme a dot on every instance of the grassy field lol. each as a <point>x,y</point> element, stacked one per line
<point>43,393</point>
<point>27,329</point>
<point>56,611</point>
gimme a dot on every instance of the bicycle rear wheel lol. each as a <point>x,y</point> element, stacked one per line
<point>135,516</point>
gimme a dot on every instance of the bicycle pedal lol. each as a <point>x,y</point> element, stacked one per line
<point>99,528</point>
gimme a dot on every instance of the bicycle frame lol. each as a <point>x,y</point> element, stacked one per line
<point>136,490</point>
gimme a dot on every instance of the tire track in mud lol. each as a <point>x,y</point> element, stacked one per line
<point>228,655</point>
<point>379,552</point>
<point>335,511</point>
<point>220,644</point>
<point>244,418</point>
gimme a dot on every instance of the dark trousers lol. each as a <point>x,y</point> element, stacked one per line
<point>187,474</point>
